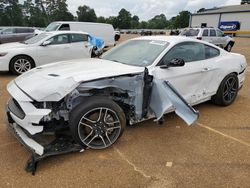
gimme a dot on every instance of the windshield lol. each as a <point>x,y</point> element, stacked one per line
<point>36,38</point>
<point>52,27</point>
<point>136,52</point>
<point>190,32</point>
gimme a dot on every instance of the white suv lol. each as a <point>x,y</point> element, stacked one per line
<point>212,35</point>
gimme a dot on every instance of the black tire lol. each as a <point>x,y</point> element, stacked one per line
<point>21,64</point>
<point>117,37</point>
<point>227,91</point>
<point>97,123</point>
<point>229,47</point>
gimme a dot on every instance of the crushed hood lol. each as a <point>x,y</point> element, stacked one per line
<point>53,81</point>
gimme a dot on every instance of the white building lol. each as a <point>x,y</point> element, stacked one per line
<point>234,18</point>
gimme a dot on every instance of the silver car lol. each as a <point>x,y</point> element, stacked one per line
<point>16,34</point>
<point>212,35</point>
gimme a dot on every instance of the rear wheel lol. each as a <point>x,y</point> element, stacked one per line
<point>227,91</point>
<point>97,123</point>
<point>21,64</point>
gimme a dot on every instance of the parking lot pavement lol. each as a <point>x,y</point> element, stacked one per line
<point>215,152</point>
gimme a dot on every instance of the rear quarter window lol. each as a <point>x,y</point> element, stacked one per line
<point>190,32</point>
<point>79,37</point>
<point>211,52</point>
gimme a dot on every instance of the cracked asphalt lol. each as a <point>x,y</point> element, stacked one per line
<point>215,152</point>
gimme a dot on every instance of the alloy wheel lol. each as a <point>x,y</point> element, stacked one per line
<point>22,65</point>
<point>99,128</point>
<point>230,89</point>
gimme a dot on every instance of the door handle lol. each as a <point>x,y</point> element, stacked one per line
<point>206,69</point>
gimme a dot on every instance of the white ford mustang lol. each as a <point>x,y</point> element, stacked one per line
<point>19,57</point>
<point>140,79</point>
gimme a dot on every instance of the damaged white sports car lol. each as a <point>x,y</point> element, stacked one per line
<point>92,100</point>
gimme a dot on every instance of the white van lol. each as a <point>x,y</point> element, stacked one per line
<point>100,30</point>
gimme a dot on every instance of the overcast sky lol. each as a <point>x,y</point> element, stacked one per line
<point>146,9</point>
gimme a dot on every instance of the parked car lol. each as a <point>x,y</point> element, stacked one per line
<point>140,79</point>
<point>16,34</point>
<point>174,32</point>
<point>100,30</point>
<point>43,49</point>
<point>146,33</point>
<point>212,35</point>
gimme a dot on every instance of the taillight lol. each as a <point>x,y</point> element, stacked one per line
<point>199,38</point>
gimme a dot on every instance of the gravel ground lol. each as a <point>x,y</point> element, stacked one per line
<point>213,153</point>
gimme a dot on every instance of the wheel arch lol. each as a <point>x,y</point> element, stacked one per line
<point>33,61</point>
<point>232,72</point>
<point>119,96</point>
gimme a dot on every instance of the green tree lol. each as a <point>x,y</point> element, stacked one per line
<point>113,21</point>
<point>12,13</point>
<point>143,25</point>
<point>135,22</point>
<point>101,19</point>
<point>201,10</point>
<point>245,2</point>
<point>158,22</point>
<point>181,20</point>
<point>124,19</point>
<point>86,14</point>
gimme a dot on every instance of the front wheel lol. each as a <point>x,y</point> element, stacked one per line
<point>21,64</point>
<point>227,91</point>
<point>97,123</point>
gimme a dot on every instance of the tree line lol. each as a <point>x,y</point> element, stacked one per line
<point>39,13</point>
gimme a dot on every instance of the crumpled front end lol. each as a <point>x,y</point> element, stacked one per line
<point>24,117</point>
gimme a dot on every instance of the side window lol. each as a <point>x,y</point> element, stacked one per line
<point>188,51</point>
<point>59,39</point>
<point>21,30</point>
<point>212,33</point>
<point>79,37</point>
<point>205,33</point>
<point>8,31</point>
<point>211,52</point>
<point>64,27</point>
<point>219,33</point>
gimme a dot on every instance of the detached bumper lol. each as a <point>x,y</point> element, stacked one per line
<point>23,137</point>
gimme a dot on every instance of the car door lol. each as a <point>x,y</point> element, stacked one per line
<point>205,35</point>
<point>56,49</point>
<point>80,46</point>
<point>213,37</point>
<point>20,34</point>
<point>8,35</point>
<point>190,80</point>
<point>222,40</point>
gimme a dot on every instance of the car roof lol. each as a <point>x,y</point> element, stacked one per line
<point>76,22</point>
<point>66,32</point>
<point>170,39</point>
<point>173,40</point>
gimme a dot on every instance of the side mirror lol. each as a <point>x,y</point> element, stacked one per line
<point>46,43</point>
<point>176,62</point>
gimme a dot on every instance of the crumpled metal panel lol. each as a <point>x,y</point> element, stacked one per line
<point>164,98</point>
<point>131,84</point>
